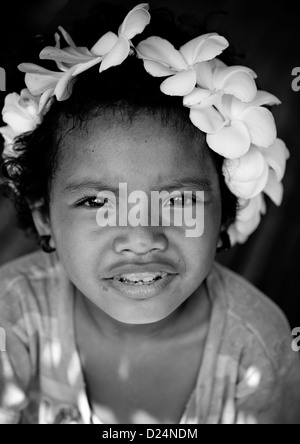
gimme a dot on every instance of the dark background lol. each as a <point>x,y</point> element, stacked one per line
<point>267,33</point>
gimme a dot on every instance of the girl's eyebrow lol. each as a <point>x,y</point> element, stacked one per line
<point>78,187</point>
<point>192,183</point>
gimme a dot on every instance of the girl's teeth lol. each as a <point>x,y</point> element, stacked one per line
<point>140,278</point>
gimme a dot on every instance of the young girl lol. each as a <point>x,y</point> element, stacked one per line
<point>134,322</point>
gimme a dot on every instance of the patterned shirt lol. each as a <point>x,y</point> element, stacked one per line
<point>247,358</point>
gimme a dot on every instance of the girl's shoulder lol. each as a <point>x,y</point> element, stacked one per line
<point>248,307</point>
<point>29,284</point>
<point>242,296</point>
<point>29,269</point>
<point>255,346</point>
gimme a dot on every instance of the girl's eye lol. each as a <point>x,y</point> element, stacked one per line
<point>181,201</point>
<point>93,202</point>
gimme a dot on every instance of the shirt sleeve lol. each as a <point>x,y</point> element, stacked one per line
<point>269,380</point>
<point>15,362</point>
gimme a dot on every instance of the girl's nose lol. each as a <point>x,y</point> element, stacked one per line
<point>140,241</point>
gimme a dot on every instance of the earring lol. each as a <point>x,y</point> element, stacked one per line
<point>226,243</point>
<point>45,244</point>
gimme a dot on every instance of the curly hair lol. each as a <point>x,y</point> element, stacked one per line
<point>127,89</point>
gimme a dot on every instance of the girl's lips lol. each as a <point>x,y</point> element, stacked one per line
<point>145,291</point>
<point>143,277</point>
<point>140,268</point>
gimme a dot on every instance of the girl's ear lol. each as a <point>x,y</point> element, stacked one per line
<point>41,221</point>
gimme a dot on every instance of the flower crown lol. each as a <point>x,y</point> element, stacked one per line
<point>224,103</point>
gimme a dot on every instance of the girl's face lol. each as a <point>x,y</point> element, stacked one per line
<point>147,156</point>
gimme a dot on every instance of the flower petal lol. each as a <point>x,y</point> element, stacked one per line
<point>251,207</point>
<point>81,67</point>
<point>180,84</point>
<point>117,55</point>
<point>26,97</point>
<point>200,98</point>
<point>31,68</point>
<point>60,55</point>
<point>217,63</point>
<point>261,126</point>
<point>156,69</point>
<point>250,189</point>
<point>230,107</point>
<point>235,236</point>
<point>67,37</point>
<point>38,80</point>
<point>274,189</point>
<point>276,157</point>
<point>265,98</point>
<point>247,168</point>
<point>208,120</point>
<point>160,50</point>
<point>29,103</point>
<point>204,73</point>
<point>230,142</point>
<point>247,227</point>
<point>220,66</point>
<point>78,51</point>
<point>57,40</point>
<point>239,83</point>
<point>8,134</point>
<point>19,123</point>
<point>203,48</point>
<point>136,21</point>
<point>105,44</point>
<point>38,84</point>
<point>45,101</point>
<point>248,219</point>
<point>20,116</point>
<point>64,87</point>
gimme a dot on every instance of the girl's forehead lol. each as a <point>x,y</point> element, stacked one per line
<point>144,147</point>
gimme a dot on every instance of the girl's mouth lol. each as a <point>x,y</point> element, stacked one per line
<point>135,279</point>
<point>141,286</point>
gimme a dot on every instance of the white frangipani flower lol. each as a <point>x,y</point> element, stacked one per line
<point>247,176</point>
<point>9,136</point>
<point>232,125</point>
<point>276,157</point>
<point>110,50</point>
<point>161,59</point>
<point>214,79</point>
<point>261,169</point>
<point>21,114</point>
<point>48,84</point>
<point>134,24</point>
<point>248,219</point>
